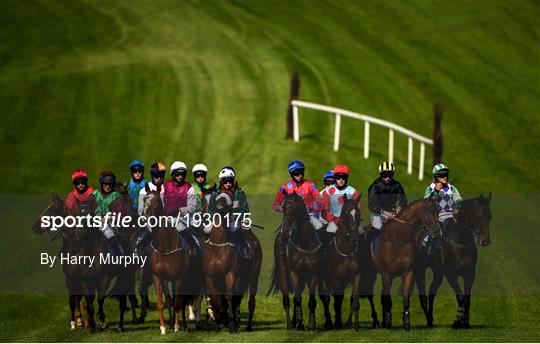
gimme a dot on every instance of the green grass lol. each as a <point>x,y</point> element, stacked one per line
<point>96,84</point>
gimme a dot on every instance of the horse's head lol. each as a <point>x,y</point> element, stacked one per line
<point>224,204</point>
<point>479,218</point>
<point>152,204</point>
<point>293,208</point>
<point>56,208</point>
<point>426,216</point>
<point>350,217</point>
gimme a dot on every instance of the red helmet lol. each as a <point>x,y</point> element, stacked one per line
<point>341,169</point>
<point>78,174</point>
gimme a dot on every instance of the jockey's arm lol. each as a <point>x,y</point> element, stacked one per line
<point>402,198</point>
<point>278,201</point>
<point>373,200</point>
<point>191,202</point>
<point>140,209</point>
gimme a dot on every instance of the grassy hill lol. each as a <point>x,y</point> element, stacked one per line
<point>96,84</point>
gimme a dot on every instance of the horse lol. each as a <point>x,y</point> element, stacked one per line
<point>70,245</point>
<point>398,244</point>
<point>89,280</point>
<point>299,261</point>
<point>344,265</point>
<point>228,275</point>
<point>170,262</point>
<point>457,258</point>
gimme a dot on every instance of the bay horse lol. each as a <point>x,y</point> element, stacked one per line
<point>170,262</point>
<point>299,262</point>
<point>228,277</point>
<point>457,258</point>
<point>70,245</point>
<point>344,265</point>
<point>398,244</point>
<point>85,280</point>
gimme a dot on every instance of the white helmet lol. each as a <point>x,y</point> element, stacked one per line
<point>178,165</point>
<point>199,167</point>
<point>227,172</point>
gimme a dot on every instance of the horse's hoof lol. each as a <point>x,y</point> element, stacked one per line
<point>163,330</point>
<point>293,323</point>
<point>300,327</point>
<point>356,327</point>
<point>466,324</point>
<point>191,315</point>
<point>79,322</point>
<point>407,327</point>
<point>135,321</point>
<point>328,326</point>
<point>120,329</point>
<point>176,328</point>
<point>375,324</point>
<point>199,325</point>
<point>232,329</point>
<point>337,325</point>
<point>249,328</point>
<point>457,324</point>
<point>141,320</point>
<point>72,325</point>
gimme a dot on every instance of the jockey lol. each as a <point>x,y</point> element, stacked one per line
<point>136,183</point>
<point>81,193</point>
<point>109,201</point>
<point>157,173</point>
<point>448,200</point>
<point>303,187</point>
<point>202,191</point>
<point>328,180</point>
<point>179,201</point>
<point>332,197</point>
<point>383,194</point>
<point>234,195</point>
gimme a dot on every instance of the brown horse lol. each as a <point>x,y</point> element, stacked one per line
<point>228,275</point>
<point>170,262</point>
<point>344,266</point>
<point>299,261</point>
<point>457,258</point>
<point>398,244</point>
<point>70,245</point>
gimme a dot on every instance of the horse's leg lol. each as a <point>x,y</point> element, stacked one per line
<point>324,296</point>
<point>452,279</point>
<point>101,312</point>
<point>253,287</point>
<point>169,299</point>
<point>122,300</point>
<point>159,304</point>
<point>298,286</point>
<point>133,304</point>
<point>407,284</point>
<point>356,304</point>
<point>78,314</point>
<point>230,280</point>
<point>89,301</point>
<point>433,287</point>
<point>312,303</point>
<point>338,292</point>
<point>349,318</point>
<point>468,281</point>
<point>72,307</point>
<point>420,277</point>
<point>386,300</point>
<point>369,277</point>
<point>286,307</point>
<point>183,304</point>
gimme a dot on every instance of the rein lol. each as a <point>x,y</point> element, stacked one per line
<point>223,244</point>
<point>168,252</point>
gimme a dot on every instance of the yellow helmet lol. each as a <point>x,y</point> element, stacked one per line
<point>386,167</point>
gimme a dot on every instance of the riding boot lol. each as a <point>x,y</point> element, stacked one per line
<point>240,242</point>
<point>114,247</point>
<point>191,242</point>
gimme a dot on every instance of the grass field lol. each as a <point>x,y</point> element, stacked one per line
<point>96,84</point>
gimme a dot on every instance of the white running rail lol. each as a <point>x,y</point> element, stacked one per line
<point>367,121</point>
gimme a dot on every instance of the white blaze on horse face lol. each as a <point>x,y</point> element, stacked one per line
<point>353,213</point>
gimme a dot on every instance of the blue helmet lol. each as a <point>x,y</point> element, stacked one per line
<point>296,165</point>
<point>136,163</point>
<point>329,174</point>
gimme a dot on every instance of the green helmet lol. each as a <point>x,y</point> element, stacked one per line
<point>440,168</point>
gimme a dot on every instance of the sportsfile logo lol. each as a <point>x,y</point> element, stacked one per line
<point>117,220</point>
